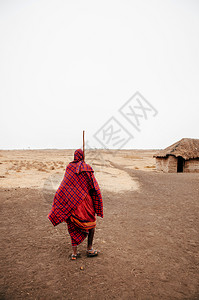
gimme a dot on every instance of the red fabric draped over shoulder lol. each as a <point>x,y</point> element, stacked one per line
<point>78,182</point>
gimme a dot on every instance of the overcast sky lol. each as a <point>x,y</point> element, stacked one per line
<point>66,66</point>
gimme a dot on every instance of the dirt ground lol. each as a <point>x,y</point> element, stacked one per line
<point>148,238</point>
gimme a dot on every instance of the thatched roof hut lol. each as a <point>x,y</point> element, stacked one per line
<point>182,156</point>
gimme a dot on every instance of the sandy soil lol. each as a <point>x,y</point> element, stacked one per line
<point>148,238</point>
<point>35,168</point>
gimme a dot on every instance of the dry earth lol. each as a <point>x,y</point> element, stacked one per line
<point>148,238</point>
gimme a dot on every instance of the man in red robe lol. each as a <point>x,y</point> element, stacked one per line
<point>77,201</point>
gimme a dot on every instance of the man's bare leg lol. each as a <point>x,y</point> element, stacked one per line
<point>90,238</point>
<point>75,250</point>
<point>90,251</point>
<point>75,254</point>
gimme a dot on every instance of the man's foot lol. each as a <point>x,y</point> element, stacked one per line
<point>92,253</point>
<point>75,256</point>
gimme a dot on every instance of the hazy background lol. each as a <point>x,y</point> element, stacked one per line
<point>66,66</point>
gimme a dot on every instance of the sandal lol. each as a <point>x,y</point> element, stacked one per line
<point>92,253</point>
<point>75,256</point>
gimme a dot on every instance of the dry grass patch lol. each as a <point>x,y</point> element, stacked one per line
<point>149,166</point>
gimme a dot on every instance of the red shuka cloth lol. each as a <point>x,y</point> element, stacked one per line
<point>81,221</point>
<point>85,211</point>
<point>78,182</point>
<point>84,216</point>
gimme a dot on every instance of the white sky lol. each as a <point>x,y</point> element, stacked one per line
<point>66,66</point>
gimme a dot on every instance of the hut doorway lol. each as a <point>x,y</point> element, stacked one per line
<point>180,165</point>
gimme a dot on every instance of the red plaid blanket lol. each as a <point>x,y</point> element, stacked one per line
<point>78,182</point>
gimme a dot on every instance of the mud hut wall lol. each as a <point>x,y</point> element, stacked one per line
<point>192,165</point>
<point>162,164</point>
<point>166,164</point>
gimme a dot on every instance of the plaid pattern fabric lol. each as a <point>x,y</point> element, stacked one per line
<point>95,194</point>
<point>78,182</point>
<point>76,234</point>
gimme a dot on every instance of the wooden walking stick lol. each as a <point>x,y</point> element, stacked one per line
<point>83,145</point>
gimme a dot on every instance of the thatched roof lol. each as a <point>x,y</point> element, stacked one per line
<point>187,148</point>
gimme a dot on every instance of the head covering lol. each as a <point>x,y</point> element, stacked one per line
<point>81,166</point>
<point>78,155</point>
